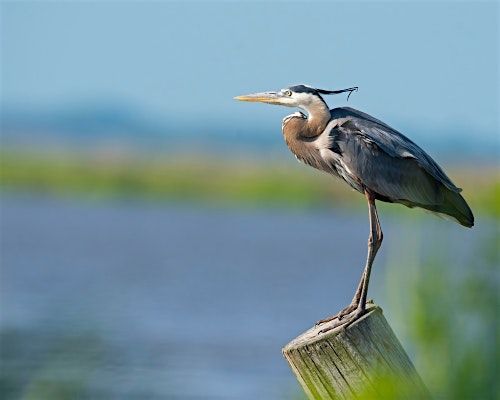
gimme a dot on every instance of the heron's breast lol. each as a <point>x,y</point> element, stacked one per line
<point>306,152</point>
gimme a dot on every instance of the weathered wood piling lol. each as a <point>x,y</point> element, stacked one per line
<point>363,360</point>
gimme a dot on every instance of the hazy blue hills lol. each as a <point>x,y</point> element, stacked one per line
<point>92,125</point>
<point>87,122</point>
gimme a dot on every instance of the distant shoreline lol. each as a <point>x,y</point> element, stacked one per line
<point>205,179</point>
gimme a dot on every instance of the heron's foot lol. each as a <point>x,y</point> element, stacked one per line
<point>340,315</point>
<point>347,320</point>
<point>348,310</point>
<point>325,320</point>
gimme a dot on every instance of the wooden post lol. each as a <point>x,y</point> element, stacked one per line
<point>364,360</point>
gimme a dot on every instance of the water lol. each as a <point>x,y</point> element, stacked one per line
<point>140,300</point>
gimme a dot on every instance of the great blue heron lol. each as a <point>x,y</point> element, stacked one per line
<point>371,157</point>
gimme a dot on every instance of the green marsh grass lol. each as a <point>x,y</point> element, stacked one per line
<point>251,183</point>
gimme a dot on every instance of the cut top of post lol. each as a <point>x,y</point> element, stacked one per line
<point>361,360</point>
<point>315,335</point>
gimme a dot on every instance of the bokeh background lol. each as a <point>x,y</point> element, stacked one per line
<point>158,240</point>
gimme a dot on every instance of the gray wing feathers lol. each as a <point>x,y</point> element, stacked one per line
<point>397,179</point>
<point>370,154</point>
<point>390,141</point>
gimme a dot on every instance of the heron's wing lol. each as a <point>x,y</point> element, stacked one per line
<point>365,165</point>
<point>392,142</point>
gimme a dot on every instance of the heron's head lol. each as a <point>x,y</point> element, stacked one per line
<point>301,96</point>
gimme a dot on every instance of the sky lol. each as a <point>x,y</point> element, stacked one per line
<point>427,67</point>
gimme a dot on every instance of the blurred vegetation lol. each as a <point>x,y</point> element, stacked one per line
<point>208,180</point>
<point>454,321</point>
<point>445,313</point>
<point>447,317</point>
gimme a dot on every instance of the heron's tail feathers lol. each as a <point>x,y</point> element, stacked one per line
<point>455,206</point>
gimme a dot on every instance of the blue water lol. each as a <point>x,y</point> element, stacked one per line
<point>141,300</point>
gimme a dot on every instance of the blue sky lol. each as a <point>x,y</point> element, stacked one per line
<point>420,66</point>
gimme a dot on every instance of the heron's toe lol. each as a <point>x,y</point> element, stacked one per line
<point>346,311</point>
<point>346,320</point>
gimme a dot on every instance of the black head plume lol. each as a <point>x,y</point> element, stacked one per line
<point>350,90</point>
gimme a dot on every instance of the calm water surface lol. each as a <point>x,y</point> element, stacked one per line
<point>134,300</point>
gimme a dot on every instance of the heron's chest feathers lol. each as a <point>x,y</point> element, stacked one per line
<point>305,140</point>
<point>288,118</point>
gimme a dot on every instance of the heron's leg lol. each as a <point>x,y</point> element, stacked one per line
<point>374,242</point>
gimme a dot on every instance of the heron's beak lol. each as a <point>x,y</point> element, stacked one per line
<point>264,97</point>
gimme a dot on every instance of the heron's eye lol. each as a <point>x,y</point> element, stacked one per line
<point>288,93</point>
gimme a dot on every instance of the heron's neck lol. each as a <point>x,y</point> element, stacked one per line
<point>318,116</point>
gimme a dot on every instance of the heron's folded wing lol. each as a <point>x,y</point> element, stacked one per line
<point>364,164</point>
<point>392,142</point>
